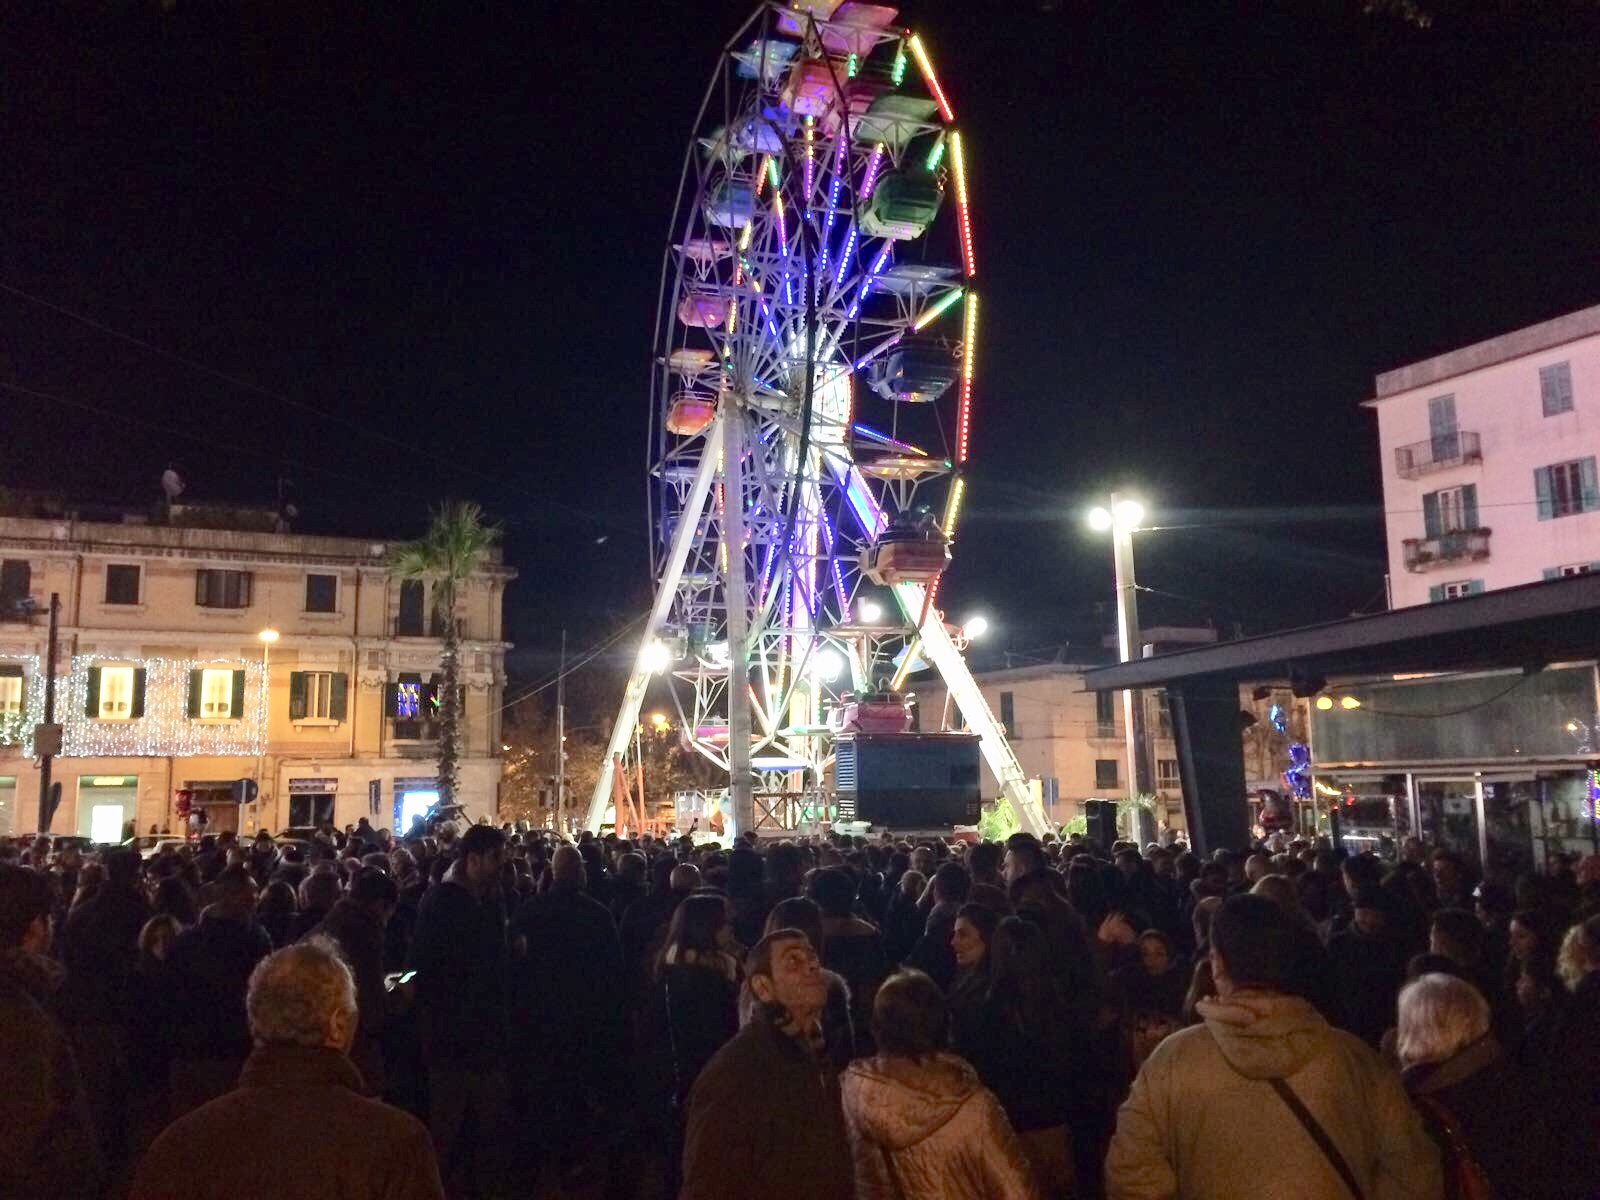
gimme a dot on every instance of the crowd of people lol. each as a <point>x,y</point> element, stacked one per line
<point>507,1013</point>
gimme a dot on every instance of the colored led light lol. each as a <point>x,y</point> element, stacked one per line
<point>952,508</point>
<point>918,49</point>
<point>833,204</point>
<point>933,311</point>
<point>811,162</point>
<point>878,264</point>
<point>772,172</point>
<point>851,65</point>
<point>874,166</point>
<point>969,360</point>
<point>936,155</point>
<point>844,255</point>
<point>875,351</point>
<point>898,75</point>
<point>963,213</point>
<point>761,175</point>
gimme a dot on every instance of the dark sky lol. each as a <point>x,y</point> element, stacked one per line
<point>423,241</point>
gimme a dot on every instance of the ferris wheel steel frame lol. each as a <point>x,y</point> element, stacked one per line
<point>786,283</point>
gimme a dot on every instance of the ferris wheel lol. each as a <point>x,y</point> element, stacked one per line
<point>811,409</point>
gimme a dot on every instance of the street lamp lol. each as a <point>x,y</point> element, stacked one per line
<point>1121,518</point>
<point>870,611</point>
<point>976,626</point>
<point>267,637</point>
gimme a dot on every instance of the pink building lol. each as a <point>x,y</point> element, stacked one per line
<point>1489,455</point>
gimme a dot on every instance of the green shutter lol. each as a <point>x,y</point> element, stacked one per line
<point>1474,587</point>
<point>91,694</point>
<point>1469,506</point>
<point>1541,489</point>
<point>1552,573</point>
<point>297,695</point>
<point>1430,516</point>
<point>236,708</point>
<point>339,696</point>
<point>193,708</point>
<point>391,699</point>
<point>1591,488</point>
<point>1436,593</point>
<point>139,678</point>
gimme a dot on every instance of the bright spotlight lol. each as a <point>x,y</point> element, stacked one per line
<point>1324,703</point>
<point>1099,519</point>
<point>659,720</point>
<point>828,665</point>
<point>655,657</point>
<point>1348,702</point>
<point>871,612</point>
<point>975,627</point>
<point>1128,514</point>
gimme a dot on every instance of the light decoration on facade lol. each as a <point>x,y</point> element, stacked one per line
<point>166,729</point>
<point>926,64</point>
<point>958,162</point>
<point>16,728</point>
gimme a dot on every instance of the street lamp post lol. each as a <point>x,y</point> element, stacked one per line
<point>1122,518</point>
<point>267,636</point>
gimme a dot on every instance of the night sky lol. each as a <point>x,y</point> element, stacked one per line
<point>410,250</point>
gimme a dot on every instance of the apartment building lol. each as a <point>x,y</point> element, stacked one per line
<point>201,647</point>
<point>1489,454</point>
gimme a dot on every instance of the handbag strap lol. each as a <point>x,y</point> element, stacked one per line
<point>1319,1135</point>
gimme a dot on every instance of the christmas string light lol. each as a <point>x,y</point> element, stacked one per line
<point>16,728</point>
<point>166,727</point>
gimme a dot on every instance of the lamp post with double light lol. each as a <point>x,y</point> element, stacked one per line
<point>1122,518</point>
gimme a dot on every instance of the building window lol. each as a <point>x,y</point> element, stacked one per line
<point>116,694</point>
<point>1167,774</point>
<point>1566,489</point>
<point>311,811</point>
<point>408,621</point>
<point>1105,773</point>
<point>222,589</point>
<point>1555,388</point>
<point>1105,713</point>
<point>1008,713</point>
<point>16,581</point>
<point>322,593</point>
<point>216,694</point>
<point>318,695</point>
<point>122,583</point>
<point>1456,590</point>
<point>10,691</point>
<point>1453,510</point>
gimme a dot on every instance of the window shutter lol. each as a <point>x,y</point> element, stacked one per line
<point>1552,573</point>
<point>1591,487</point>
<point>1474,587</point>
<point>140,675</point>
<point>194,695</point>
<point>1541,488</point>
<point>339,696</point>
<point>1469,506</point>
<point>236,710</point>
<point>297,695</point>
<point>1430,515</point>
<point>391,699</point>
<point>200,578</point>
<point>91,695</point>
<point>1436,593</point>
<point>1442,416</point>
<point>1555,388</point>
<point>246,578</point>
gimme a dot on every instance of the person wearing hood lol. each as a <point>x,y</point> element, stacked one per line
<point>763,1117</point>
<point>1265,1097</point>
<point>921,1125</point>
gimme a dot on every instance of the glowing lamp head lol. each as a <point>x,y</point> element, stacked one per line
<point>268,636</point>
<point>659,720</point>
<point>975,627</point>
<point>828,666</point>
<point>655,657</point>
<point>1128,514</point>
<point>1324,703</point>
<point>1099,519</point>
<point>1349,702</point>
<point>870,611</point>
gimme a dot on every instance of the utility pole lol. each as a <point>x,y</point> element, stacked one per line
<point>51,740</point>
<point>561,736</point>
<point>1129,649</point>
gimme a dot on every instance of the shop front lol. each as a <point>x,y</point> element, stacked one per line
<point>107,807</point>
<point>1498,767</point>
<point>312,800</point>
<point>414,795</point>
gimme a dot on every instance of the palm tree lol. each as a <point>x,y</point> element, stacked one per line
<point>455,545</point>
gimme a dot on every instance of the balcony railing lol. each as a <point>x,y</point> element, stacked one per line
<point>1427,554</point>
<point>1437,453</point>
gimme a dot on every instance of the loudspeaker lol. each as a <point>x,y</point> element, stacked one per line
<point>1100,817</point>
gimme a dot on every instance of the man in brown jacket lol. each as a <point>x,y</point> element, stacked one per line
<point>1213,1112</point>
<point>296,1124</point>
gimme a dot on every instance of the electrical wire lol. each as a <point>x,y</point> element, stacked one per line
<point>588,656</point>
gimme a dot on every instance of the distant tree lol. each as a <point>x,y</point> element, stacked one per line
<point>455,545</point>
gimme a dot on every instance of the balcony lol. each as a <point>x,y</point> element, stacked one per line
<point>1427,554</point>
<point>1437,454</point>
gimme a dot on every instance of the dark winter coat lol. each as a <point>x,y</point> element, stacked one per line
<point>764,1121</point>
<point>459,953</point>
<point>100,947</point>
<point>296,1125</point>
<point>1498,1117</point>
<point>694,1013</point>
<point>1367,974</point>
<point>360,939</point>
<point>208,971</point>
<point>47,1144</point>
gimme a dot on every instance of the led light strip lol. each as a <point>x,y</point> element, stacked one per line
<point>811,162</point>
<point>874,165</point>
<point>923,61</point>
<point>969,359</point>
<point>878,264</point>
<point>931,313</point>
<point>963,213</point>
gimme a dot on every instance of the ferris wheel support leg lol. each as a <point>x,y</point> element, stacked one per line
<point>741,792</point>
<point>694,506</point>
<point>941,651</point>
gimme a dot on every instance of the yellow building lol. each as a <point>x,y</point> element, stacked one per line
<point>166,684</point>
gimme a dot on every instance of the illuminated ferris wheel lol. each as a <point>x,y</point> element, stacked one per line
<point>811,410</point>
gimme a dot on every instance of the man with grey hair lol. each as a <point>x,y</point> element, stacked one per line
<point>296,1124</point>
